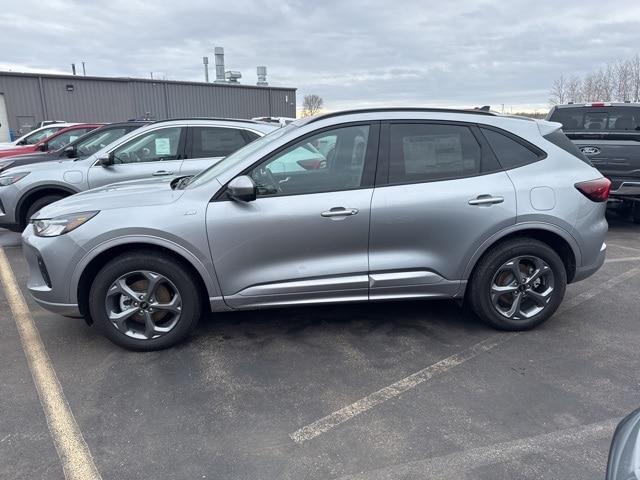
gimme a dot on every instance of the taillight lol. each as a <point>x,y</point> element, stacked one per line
<point>595,190</point>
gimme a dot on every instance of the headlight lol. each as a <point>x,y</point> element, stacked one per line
<point>6,164</point>
<point>11,178</point>
<point>52,227</point>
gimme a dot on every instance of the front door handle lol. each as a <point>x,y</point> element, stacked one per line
<point>339,212</point>
<point>161,173</point>
<point>486,200</point>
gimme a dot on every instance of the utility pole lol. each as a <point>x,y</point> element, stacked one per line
<point>73,68</point>
<point>151,75</point>
<point>84,71</point>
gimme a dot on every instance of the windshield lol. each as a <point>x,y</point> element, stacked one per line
<point>598,118</point>
<point>239,155</point>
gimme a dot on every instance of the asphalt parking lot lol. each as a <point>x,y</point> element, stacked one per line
<point>391,390</point>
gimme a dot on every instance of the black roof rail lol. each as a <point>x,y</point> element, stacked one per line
<point>218,119</point>
<point>474,111</point>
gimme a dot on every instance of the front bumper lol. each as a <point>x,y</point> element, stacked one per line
<point>8,202</point>
<point>51,263</point>
<point>588,270</point>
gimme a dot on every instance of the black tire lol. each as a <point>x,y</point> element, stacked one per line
<point>37,205</point>
<point>164,265</point>
<point>481,280</point>
<point>635,212</point>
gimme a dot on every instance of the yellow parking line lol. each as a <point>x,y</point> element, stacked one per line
<point>73,451</point>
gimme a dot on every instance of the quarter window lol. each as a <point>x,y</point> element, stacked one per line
<point>216,141</point>
<point>329,161</point>
<point>157,145</point>
<point>428,152</point>
<point>510,153</point>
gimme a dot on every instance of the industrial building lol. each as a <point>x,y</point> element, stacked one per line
<point>28,98</point>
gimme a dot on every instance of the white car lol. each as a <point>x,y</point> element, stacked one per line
<point>34,136</point>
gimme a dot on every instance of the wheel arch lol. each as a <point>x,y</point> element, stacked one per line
<point>31,195</point>
<point>561,241</point>
<point>88,267</point>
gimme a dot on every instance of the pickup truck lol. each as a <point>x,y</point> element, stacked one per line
<point>608,134</point>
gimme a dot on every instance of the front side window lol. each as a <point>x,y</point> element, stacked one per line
<point>510,153</point>
<point>303,168</point>
<point>215,141</point>
<point>428,152</point>
<point>155,146</point>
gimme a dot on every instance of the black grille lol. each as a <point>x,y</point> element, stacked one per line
<point>44,272</point>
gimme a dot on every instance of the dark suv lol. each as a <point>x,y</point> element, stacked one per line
<point>608,134</point>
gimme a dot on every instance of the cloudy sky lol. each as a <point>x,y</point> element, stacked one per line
<point>352,53</point>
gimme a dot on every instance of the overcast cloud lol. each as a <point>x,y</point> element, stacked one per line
<point>352,53</point>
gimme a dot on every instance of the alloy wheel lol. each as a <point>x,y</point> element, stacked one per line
<point>522,287</point>
<point>143,304</point>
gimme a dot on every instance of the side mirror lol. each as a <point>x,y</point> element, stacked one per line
<point>106,161</point>
<point>22,142</point>
<point>70,152</point>
<point>624,454</point>
<point>242,188</point>
<point>44,147</point>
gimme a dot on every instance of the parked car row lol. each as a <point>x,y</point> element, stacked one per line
<point>116,153</point>
<point>495,211</point>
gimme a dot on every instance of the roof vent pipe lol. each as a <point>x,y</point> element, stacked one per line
<point>262,76</point>
<point>219,58</point>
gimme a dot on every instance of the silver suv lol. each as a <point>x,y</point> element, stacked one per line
<point>410,203</point>
<point>165,148</point>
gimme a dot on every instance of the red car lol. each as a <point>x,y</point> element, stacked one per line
<point>55,141</point>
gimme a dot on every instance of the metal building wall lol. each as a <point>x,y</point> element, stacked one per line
<point>100,99</point>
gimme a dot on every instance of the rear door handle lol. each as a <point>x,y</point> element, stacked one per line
<point>339,212</point>
<point>161,173</point>
<point>486,200</point>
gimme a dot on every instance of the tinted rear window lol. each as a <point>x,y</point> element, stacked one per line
<point>559,139</point>
<point>617,119</point>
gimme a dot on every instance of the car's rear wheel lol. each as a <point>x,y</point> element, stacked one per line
<point>518,284</point>
<point>144,301</point>
<point>39,204</point>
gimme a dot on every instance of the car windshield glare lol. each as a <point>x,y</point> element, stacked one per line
<point>238,156</point>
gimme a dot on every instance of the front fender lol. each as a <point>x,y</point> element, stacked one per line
<point>208,277</point>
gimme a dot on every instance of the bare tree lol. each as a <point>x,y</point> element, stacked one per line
<point>590,88</point>
<point>622,80</point>
<point>635,77</point>
<point>574,92</point>
<point>311,104</point>
<point>558,91</point>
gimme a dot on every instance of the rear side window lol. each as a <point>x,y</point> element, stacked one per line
<point>510,153</point>
<point>559,139</point>
<point>428,152</point>
<point>215,141</point>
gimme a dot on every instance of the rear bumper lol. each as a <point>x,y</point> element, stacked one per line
<point>626,188</point>
<point>588,270</point>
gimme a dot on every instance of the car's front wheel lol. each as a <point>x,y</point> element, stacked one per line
<point>518,284</point>
<point>144,301</point>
